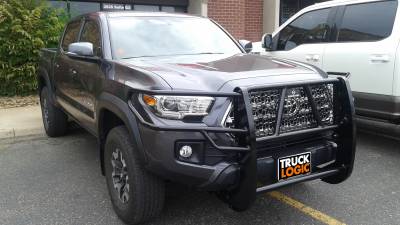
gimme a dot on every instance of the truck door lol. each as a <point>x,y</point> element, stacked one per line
<point>64,68</point>
<point>304,38</point>
<point>88,75</point>
<point>366,48</point>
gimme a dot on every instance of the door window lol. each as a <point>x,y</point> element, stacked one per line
<point>311,27</point>
<point>91,33</point>
<point>71,34</point>
<point>368,22</point>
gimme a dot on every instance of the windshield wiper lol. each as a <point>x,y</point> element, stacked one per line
<point>210,53</point>
<point>142,56</point>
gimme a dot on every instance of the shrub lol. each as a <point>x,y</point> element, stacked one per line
<point>26,26</point>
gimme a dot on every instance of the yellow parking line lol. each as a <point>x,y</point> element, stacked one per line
<point>320,216</point>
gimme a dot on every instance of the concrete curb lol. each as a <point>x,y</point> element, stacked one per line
<point>17,133</point>
<point>21,122</point>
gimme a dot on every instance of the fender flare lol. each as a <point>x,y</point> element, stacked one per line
<point>43,74</point>
<point>107,101</point>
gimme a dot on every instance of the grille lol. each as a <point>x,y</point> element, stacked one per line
<point>323,98</point>
<point>297,112</point>
<point>265,106</point>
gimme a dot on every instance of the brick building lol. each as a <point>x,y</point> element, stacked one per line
<point>245,19</point>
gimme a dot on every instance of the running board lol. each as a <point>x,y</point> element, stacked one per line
<point>381,128</point>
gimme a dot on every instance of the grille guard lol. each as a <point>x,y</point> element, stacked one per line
<point>244,193</point>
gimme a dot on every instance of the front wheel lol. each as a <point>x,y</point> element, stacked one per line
<point>136,195</point>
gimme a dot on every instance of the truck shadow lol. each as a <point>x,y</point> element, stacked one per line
<point>185,205</point>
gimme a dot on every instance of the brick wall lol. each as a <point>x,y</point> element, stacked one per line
<point>242,18</point>
<point>254,20</point>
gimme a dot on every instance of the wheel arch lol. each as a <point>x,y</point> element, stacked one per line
<point>43,80</point>
<point>113,111</point>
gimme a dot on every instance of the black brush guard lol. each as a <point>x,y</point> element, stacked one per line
<point>244,193</point>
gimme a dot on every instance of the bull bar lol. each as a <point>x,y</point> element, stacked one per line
<point>244,193</point>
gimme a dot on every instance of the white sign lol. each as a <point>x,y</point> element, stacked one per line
<point>111,6</point>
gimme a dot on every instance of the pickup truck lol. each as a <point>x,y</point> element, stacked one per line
<point>175,98</point>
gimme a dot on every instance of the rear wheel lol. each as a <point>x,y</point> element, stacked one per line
<point>136,195</point>
<point>55,121</point>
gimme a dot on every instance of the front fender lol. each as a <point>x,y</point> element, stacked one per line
<point>107,101</point>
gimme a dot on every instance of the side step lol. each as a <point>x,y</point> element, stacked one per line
<point>378,127</point>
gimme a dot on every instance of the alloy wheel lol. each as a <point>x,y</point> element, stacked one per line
<point>120,175</point>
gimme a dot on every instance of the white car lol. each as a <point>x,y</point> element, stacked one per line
<point>356,38</point>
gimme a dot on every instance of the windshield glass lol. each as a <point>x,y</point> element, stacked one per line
<point>163,36</point>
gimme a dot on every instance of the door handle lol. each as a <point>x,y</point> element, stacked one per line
<point>379,58</point>
<point>74,73</point>
<point>314,58</point>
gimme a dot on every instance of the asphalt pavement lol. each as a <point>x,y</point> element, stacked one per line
<point>58,181</point>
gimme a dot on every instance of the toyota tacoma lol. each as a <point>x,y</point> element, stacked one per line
<point>175,98</point>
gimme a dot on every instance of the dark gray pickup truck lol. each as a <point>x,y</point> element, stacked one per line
<point>174,97</point>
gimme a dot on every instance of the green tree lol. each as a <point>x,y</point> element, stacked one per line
<point>26,26</point>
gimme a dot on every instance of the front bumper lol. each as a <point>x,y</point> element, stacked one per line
<point>239,168</point>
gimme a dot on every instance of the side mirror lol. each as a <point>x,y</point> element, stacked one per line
<point>81,48</point>
<point>267,42</point>
<point>247,45</point>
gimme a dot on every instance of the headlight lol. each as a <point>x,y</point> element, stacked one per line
<point>177,107</point>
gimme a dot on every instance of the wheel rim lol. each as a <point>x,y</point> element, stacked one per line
<point>45,110</point>
<point>120,175</point>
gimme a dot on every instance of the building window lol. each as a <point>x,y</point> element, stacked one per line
<point>291,7</point>
<point>170,9</point>
<point>159,8</point>
<point>147,8</point>
<point>79,8</point>
<point>76,8</point>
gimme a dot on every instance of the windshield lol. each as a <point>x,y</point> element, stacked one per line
<point>163,36</point>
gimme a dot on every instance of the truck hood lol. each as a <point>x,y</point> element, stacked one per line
<point>222,72</point>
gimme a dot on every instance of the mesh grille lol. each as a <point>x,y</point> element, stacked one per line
<point>265,105</point>
<point>323,98</point>
<point>297,113</point>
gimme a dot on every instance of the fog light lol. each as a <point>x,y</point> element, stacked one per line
<point>186,151</point>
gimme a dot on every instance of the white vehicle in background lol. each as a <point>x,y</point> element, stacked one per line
<point>356,38</point>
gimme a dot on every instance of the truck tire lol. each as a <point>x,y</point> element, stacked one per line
<point>136,195</point>
<point>55,121</point>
